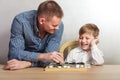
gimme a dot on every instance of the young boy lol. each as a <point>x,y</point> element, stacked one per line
<point>87,52</point>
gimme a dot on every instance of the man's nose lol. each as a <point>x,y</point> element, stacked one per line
<point>57,27</point>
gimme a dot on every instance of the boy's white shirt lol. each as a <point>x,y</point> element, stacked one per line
<point>76,55</point>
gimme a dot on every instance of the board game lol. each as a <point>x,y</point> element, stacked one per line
<point>67,67</point>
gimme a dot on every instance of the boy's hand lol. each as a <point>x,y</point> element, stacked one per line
<point>95,41</point>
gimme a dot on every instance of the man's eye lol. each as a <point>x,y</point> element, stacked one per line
<point>55,25</point>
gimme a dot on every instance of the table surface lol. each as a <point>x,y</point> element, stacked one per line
<point>105,72</point>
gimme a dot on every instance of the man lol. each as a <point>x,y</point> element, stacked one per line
<point>35,37</point>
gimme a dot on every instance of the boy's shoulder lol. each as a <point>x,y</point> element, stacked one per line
<point>77,49</point>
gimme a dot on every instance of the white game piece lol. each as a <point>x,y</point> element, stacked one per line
<point>64,66</point>
<point>68,66</point>
<point>88,66</point>
<point>77,66</point>
<point>81,66</point>
<point>59,66</point>
<point>50,66</point>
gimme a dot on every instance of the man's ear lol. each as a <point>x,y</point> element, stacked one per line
<point>41,20</point>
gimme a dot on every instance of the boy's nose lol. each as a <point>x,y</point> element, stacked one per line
<point>83,40</point>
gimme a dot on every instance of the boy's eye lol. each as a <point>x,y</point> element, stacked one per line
<point>87,38</point>
<point>80,38</point>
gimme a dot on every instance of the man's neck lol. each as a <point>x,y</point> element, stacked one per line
<point>42,33</point>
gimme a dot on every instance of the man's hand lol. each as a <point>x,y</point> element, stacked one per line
<point>52,56</point>
<point>16,64</point>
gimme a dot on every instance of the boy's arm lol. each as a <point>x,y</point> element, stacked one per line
<point>96,53</point>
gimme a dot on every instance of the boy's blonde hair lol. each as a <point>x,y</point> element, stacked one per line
<point>89,28</point>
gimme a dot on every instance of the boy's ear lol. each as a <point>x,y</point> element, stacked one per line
<point>96,37</point>
<point>97,41</point>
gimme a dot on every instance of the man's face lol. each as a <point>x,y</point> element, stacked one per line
<point>52,25</point>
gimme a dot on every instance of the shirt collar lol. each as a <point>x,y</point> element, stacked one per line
<point>36,27</point>
<point>36,31</point>
<point>79,50</point>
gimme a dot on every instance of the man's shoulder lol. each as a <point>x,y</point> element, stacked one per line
<point>26,14</point>
<point>61,25</point>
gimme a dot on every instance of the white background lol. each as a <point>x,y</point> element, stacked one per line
<point>104,13</point>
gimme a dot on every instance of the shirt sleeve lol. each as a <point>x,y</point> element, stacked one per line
<point>53,44</point>
<point>97,55</point>
<point>17,44</point>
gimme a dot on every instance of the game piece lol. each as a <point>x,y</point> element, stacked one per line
<point>77,66</point>
<point>67,67</point>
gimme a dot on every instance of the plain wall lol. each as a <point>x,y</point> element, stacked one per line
<point>104,13</point>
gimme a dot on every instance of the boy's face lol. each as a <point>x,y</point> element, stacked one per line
<point>85,41</point>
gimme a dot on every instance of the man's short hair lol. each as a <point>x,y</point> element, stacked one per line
<point>48,9</point>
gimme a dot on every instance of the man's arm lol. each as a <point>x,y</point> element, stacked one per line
<point>16,64</point>
<point>19,54</point>
<point>17,44</point>
<point>54,42</point>
<point>52,47</point>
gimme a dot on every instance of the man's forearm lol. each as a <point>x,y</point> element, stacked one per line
<point>23,55</point>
